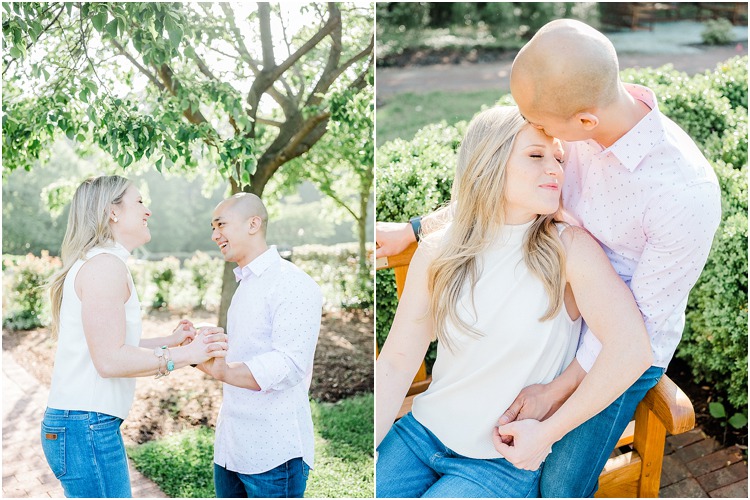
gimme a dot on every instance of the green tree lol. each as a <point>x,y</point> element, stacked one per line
<point>342,168</point>
<point>180,85</point>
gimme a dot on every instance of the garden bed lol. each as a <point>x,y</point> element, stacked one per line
<point>189,399</point>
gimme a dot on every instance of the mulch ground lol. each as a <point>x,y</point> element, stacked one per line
<point>188,398</point>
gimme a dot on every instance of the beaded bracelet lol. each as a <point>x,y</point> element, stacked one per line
<point>168,359</point>
<point>159,353</point>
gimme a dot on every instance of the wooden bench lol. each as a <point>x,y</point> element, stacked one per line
<point>633,473</point>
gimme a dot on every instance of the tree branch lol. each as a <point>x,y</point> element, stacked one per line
<point>44,30</point>
<point>138,65</point>
<point>267,121</point>
<point>266,37</point>
<point>239,39</point>
<point>333,22</point>
<point>201,65</point>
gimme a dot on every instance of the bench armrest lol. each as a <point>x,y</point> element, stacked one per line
<point>671,406</point>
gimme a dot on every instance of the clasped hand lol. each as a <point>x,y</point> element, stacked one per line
<point>209,342</point>
<point>521,437</point>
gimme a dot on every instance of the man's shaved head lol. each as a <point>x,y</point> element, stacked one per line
<point>248,205</point>
<point>566,68</point>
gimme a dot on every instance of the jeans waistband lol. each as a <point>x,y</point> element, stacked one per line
<point>94,416</point>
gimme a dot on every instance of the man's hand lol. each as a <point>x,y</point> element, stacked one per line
<point>392,238</point>
<point>531,444</point>
<point>533,402</point>
<point>216,367</point>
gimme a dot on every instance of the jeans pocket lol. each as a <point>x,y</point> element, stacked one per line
<point>104,422</point>
<point>53,445</point>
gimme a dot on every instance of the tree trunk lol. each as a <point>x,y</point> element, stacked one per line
<point>362,233</point>
<point>228,287</point>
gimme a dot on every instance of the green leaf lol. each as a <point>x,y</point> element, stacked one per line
<point>111,28</point>
<point>716,410</point>
<point>14,52</point>
<point>46,74</point>
<point>175,32</point>
<point>99,20</point>
<point>738,421</point>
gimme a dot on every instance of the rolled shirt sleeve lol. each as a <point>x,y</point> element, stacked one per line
<point>296,312</point>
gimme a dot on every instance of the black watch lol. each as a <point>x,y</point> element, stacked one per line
<point>416,226</point>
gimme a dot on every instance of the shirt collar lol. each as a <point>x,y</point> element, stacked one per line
<point>258,265</point>
<point>632,148</point>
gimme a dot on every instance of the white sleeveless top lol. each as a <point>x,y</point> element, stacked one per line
<point>76,385</point>
<point>476,382</point>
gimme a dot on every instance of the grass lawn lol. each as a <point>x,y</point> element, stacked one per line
<point>182,464</point>
<point>404,114</point>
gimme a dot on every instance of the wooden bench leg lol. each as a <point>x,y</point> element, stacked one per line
<point>650,436</point>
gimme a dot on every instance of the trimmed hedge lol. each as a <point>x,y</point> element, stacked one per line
<point>414,178</point>
<point>194,283</point>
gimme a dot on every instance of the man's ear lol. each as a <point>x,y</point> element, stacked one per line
<point>254,224</point>
<point>588,121</point>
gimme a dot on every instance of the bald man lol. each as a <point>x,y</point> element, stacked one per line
<point>638,184</point>
<point>264,432</point>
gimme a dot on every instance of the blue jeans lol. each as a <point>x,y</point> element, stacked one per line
<point>288,480</point>
<point>572,469</point>
<point>412,462</point>
<point>85,451</point>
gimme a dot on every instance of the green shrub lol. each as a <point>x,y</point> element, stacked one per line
<point>717,32</point>
<point>414,178</point>
<point>336,269</point>
<point>163,274</point>
<point>205,273</point>
<point>730,79</point>
<point>27,305</point>
<point>715,339</point>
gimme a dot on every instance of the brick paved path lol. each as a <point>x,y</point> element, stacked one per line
<point>25,471</point>
<point>695,466</point>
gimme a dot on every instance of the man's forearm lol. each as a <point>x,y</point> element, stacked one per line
<point>239,375</point>
<point>612,374</point>
<point>566,383</point>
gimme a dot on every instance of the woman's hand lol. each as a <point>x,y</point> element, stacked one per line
<point>530,445</point>
<point>183,334</point>
<point>209,342</point>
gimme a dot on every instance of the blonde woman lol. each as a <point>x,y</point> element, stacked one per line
<point>503,287</point>
<point>97,317</point>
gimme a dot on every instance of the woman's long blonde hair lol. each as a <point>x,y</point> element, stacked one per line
<point>88,227</point>
<point>478,206</point>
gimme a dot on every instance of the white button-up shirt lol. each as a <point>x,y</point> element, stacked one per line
<point>272,325</point>
<point>653,202</point>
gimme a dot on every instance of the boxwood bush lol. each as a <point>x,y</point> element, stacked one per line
<point>414,177</point>
<point>183,286</point>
